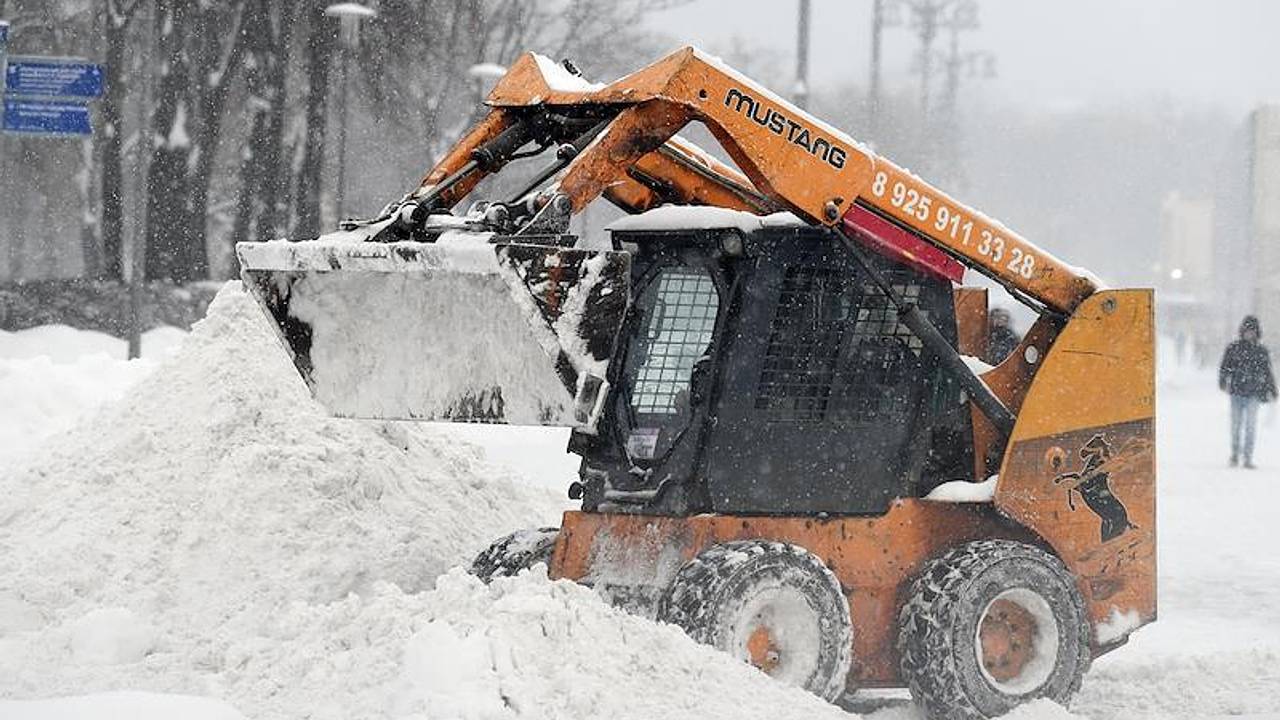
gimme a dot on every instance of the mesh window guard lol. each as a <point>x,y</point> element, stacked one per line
<point>678,328</point>
<point>804,345</point>
<point>805,378</point>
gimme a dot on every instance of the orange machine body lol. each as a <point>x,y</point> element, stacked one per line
<point>1077,474</point>
<point>632,558</point>
<point>1053,461</point>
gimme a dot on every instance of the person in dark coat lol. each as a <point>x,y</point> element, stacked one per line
<point>1001,338</point>
<point>1245,375</point>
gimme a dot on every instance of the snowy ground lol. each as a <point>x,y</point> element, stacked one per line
<point>52,375</point>
<point>233,551</point>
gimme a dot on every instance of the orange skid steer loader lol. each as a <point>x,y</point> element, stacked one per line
<point>764,369</point>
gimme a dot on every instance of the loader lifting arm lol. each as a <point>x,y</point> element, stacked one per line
<point>791,161</point>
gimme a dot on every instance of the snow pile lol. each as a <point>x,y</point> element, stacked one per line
<point>52,375</point>
<point>1040,710</point>
<point>110,636</point>
<point>131,705</point>
<point>43,397</point>
<point>526,647</point>
<point>216,534</point>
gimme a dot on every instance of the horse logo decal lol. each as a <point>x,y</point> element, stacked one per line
<point>1093,484</point>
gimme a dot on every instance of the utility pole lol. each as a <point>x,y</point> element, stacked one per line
<point>873,93</point>
<point>142,153</point>
<point>958,64</point>
<point>340,195</point>
<point>928,19</point>
<point>963,18</point>
<point>801,91</point>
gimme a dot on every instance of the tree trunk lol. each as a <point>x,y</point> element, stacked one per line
<point>268,36</point>
<point>222,57</point>
<point>321,43</point>
<point>174,251</point>
<point>275,201</point>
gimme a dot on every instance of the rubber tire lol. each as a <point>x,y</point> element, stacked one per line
<point>937,634</point>
<point>707,587</point>
<point>520,550</point>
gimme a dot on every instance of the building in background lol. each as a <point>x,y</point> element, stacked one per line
<point>1189,314</point>
<point>1264,218</point>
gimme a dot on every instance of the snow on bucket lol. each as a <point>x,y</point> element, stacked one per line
<point>460,330</point>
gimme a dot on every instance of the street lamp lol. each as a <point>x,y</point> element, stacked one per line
<point>482,74</point>
<point>349,15</point>
<point>486,71</point>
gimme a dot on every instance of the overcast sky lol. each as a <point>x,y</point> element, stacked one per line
<point>1051,54</point>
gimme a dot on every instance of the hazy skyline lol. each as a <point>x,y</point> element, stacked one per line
<point>1050,55</point>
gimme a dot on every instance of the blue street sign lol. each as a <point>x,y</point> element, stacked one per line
<point>41,117</point>
<point>52,77</point>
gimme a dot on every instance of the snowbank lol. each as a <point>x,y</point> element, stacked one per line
<point>43,397</point>
<point>61,343</point>
<point>131,705</point>
<point>525,647</point>
<point>52,375</point>
<point>214,533</point>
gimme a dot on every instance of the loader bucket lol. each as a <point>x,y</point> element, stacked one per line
<point>461,331</point>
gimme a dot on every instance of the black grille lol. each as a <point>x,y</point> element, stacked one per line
<point>677,332</point>
<point>804,345</point>
<point>836,351</point>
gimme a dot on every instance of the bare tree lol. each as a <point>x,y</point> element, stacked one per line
<point>187,123</point>
<point>268,28</point>
<point>118,15</point>
<point>322,35</point>
<point>171,253</point>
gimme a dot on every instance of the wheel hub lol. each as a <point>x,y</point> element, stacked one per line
<point>1008,639</point>
<point>1016,642</point>
<point>779,633</point>
<point>762,652</point>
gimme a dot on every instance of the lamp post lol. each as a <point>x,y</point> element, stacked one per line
<point>349,15</point>
<point>800,92</point>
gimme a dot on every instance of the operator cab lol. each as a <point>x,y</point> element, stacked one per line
<point>760,370</point>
